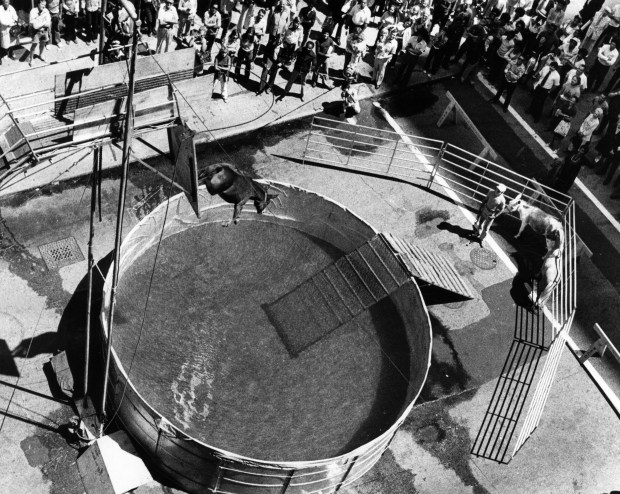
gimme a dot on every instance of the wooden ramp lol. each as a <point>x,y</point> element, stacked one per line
<point>430,268</point>
<point>354,283</point>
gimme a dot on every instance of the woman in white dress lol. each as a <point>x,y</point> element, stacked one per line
<point>8,19</point>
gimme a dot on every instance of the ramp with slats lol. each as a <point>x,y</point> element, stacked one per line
<point>348,287</point>
<point>512,389</point>
<point>429,268</point>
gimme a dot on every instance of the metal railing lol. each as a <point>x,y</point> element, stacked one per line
<point>443,167</point>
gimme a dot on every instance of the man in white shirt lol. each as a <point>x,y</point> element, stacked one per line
<point>612,26</point>
<point>578,72</point>
<point>40,22</point>
<point>213,22</point>
<point>186,11</point>
<point>606,57</point>
<point>360,15</point>
<point>278,21</point>
<point>8,19</point>
<point>167,18</point>
<point>548,80</point>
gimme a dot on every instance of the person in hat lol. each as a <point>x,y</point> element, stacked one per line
<point>492,206</point>
<point>166,20</point>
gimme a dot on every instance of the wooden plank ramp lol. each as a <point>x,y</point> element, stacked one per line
<point>428,267</point>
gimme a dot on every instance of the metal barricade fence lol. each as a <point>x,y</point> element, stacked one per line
<point>437,165</point>
<point>369,150</point>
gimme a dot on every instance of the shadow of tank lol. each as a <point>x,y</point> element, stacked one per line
<point>215,398</point>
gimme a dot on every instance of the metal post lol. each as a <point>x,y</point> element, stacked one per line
<point>481,178</point>
<point>287,481</point>
<point>352,145</point>
<point>104,7</point>
<point>346,474</point>
<point>431,179</point>
<point>307,143</point>
<point>93,206</point>
<point>396,141</point>
<point>128,134</point>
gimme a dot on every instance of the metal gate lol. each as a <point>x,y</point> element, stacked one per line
<point>466,177</point>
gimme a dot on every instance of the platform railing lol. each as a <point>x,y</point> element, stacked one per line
<point>443,167</point>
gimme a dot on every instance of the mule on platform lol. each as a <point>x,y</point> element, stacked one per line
<point>235,188</point>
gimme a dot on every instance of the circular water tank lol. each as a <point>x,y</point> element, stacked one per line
<point>220,395</point>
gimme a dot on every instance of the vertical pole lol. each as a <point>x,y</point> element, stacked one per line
<point>352,146</point>
<point>346,474</point>
<point>307,143</point>
<point>93,206</point>
<point>287,481</point>
<point>431,179</point>
<point>104,7</point>
<point>484,172</point>
<point>396,141</point>
<point>128,134</point>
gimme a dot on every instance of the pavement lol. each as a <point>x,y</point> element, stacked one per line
<point>575,449</point>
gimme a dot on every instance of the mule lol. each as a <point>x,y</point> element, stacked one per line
<point>541,222</point>
<point>225,181</point>
<point>548,279</point>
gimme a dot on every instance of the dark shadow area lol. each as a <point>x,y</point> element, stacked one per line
<point>406,103</point>
<point>393,381</point>
<point>332,108</point>
<point>7,362</point>
<point>444,376</point>
<point>71,332</point>
<point>435,295</point>
<point>31,347</point>
<point>464,233</point>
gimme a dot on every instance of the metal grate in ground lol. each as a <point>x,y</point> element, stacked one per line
<point>483,258</point>
<point>61,253</point>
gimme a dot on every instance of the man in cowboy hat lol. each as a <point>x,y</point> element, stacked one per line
<point>492,206</point>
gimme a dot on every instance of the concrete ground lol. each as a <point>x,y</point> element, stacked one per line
<point>575,449</point>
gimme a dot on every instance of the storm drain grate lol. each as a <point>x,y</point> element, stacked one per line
<point>61,253</point>
<point>483,258</point>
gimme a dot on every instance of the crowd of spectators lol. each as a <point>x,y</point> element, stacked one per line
<point>530,44</point>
